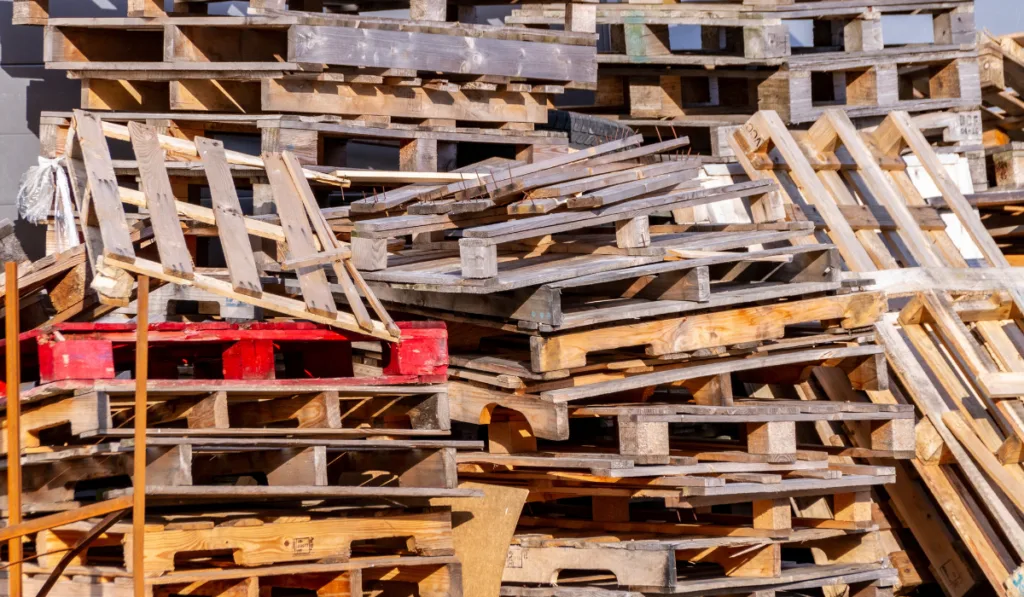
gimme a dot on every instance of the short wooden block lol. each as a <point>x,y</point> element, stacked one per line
<point>766,41</point>
<point>863,34</point>
<point>633,233</point>
<point>510,433</point>
<point>75,359</point>
<point>896,435</point>
<point>418,155</point>
<point>852,507</point>
<point>773,515</point>
<point>645,443</point>
<point>369,254</point>
<point>711,391</point>
<point>422,351</point>
<point>479,259</point>
<point>772,438</point>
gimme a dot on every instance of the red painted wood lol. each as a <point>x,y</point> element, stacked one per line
<point>241,351</point>
<point>75,359</point>
<point>249,359</point>
<point>422,351</point>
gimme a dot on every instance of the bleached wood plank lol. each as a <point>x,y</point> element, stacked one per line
<point>227,212</point>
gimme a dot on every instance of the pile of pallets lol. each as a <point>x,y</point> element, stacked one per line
<point>742,60</point>
<point>653,332</point>
<point>315,82</point>
<point>272,450</point>
<point>688,387</point>
<point>693,374</point>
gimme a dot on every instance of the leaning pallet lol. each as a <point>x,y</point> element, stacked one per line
<point>310,243</point>
<point>952,346</point>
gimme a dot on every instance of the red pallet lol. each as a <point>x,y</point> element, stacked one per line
<point>217,350</point>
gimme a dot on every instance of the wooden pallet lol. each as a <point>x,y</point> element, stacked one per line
<point>864,85</point>
<point>308,137</point>
<point>63,478</point>
<point>595,291</point>
<point>178,543</point>
<point>110,245</point>
<point>561,195</point>
<point>660,565</point>
<point>434,576</point>
<point>221,92</point>
<point>225,351</point>
<point>752,65</point>
<point>736,33</point>
<point>73,411</point>
<point>863,579</point>
<point>290,43</point>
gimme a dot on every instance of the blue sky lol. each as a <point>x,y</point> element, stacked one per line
<point>1000,16</point>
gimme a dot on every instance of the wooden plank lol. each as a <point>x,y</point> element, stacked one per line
<point>561,222</point>
<point>103,191</point>
<point>630,190</point>
<point>327,239</point>
<point>227,213</point>
<point>441,53</point>
<point>315,291</point>
<point>719,366</point>
<point>170,240</point>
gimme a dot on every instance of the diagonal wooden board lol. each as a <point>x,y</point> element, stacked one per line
<point>170,240</point>
<point>323,233</point>
<point>883,191</point>
<point>315,290</point>
<point>106,200</point>
<point>227,211</point>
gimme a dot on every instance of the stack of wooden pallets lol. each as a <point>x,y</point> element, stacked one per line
<point>276,458</point>
<point>1002,81</point>
<point>797,373</point>
<point>685,380</point>
<point>313,82</point>
<point>659,356</point>
<point>954,346</point>
<point>742,58</point>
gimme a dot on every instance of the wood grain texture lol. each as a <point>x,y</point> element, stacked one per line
<point>377,48</point>
<point>227,213</point>
<point>170,240</point>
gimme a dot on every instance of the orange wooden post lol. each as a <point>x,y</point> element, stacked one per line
<point>14,553</point>
<point>139,477</point>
